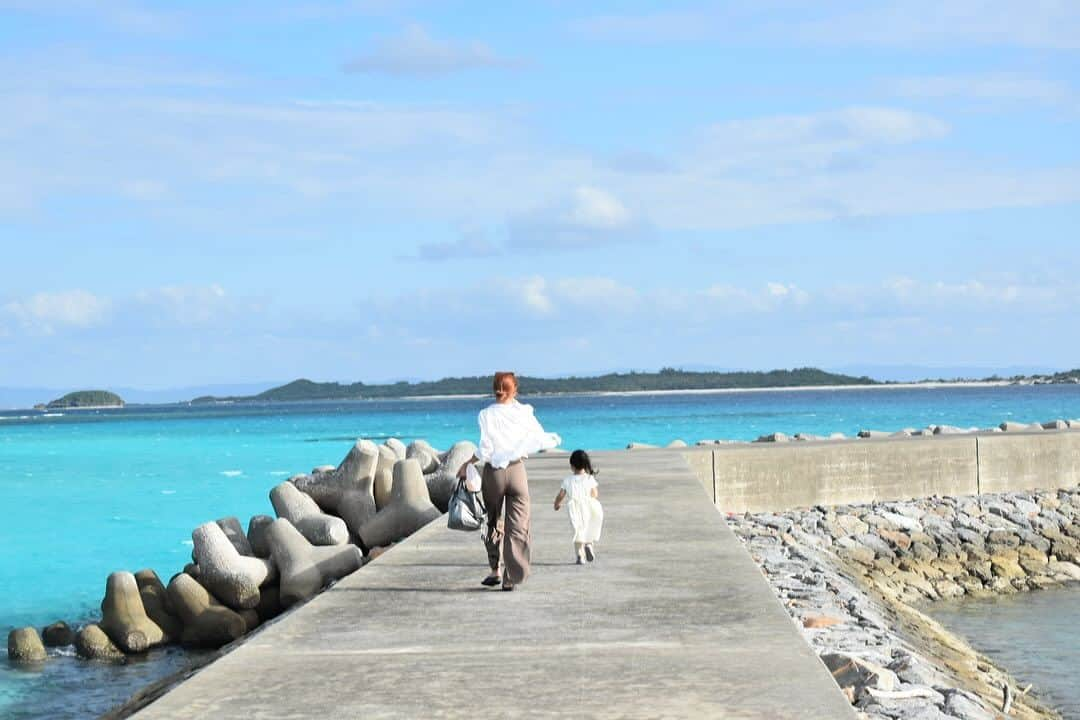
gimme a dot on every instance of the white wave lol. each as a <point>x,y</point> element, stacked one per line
<point>279,472</point>
<point>186,542</point>
<point>168,492</point>
<point>232,473</point>
<point>52,414</point>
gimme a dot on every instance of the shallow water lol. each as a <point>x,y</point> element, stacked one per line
<point>90,492</point>
<point>1035,636</point>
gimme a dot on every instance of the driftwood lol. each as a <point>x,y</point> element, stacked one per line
<point>1007,700</point>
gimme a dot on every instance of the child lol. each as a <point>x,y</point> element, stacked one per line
<point>579,491</point>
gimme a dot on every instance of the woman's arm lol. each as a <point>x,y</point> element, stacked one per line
<point>595,492</point>
<point>465,466</point>
<point>559,498</point>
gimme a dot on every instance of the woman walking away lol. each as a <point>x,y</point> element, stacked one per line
<point>579,492</point>
<point>509,432</point>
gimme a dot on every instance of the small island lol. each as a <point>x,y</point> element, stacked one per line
<point>87,400</point>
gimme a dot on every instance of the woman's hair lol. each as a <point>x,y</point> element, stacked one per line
<point>579,460</point>
<point>504,385</point>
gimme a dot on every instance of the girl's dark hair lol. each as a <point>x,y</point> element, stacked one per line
<point>579,460</point>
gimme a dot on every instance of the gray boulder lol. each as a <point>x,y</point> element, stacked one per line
<point>58,634</point>
<point>348,490</point>
<point>207,623</point>
<point>256,534</point>
<point>155,602</point>
<point>305,568</point>
<point>25,646</point>
<point>304,513</point>
<point>91,643</point>
<point>442,482</point>
<point>230,576</point>
<point>123,617</point>
<point>409,509</point>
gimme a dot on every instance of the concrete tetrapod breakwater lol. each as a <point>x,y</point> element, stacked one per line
<point>672,620</point>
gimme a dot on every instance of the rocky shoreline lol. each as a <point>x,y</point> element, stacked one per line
<point>856,579</point>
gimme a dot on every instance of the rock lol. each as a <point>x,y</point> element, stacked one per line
<point>269,606</point>
<point>155,602</point>
<point>92,643</point>
<point>377,552</point>
<point>232,578</point>
<point>861,555</point>
<point>852,525</point>
<point>773,438</point>
<point>640,446</point>
<point>305,568</point>
<point>677,444</point>
<point>1067,570</point>
<point>875,543</point>
<point>860,675</point>
<point>899,540</point>
<point>304,514</point>
<point>256,534</point>
<point>441,484</point>
<point>25,646</point>
<point>347,490</point>
<point>1010,426</point>
<point>59,634</point>
<point>902,433</point>
<point>948,430</point>
<point>423,454</point>
<point>948,589</point>
<point>384,482</point>
<point>322,469</point>
<point>965,706</point>
<point>235,533</point>
<point>817,622</point>
<point>869,434</point>
<point>1055,425</point>
<point>409,509</point>
<point>1006,567</point>
<point>902,521</point>
<point>397,447</point>
<point>807,437</point>
<point>207,623</point>
<point>123,617</point>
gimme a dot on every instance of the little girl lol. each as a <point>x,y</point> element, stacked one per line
<point>586,514</point>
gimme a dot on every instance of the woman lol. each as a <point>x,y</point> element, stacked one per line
<point>508,433</point>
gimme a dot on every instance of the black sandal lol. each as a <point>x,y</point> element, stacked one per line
<point>491,580</point>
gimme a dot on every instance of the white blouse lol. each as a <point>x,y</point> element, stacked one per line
<point>509,431</point>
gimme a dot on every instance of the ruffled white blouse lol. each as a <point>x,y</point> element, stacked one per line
<point>510,431</point>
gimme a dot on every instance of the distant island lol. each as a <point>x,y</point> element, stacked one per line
<point>667,379</point>
<point>86,399</point>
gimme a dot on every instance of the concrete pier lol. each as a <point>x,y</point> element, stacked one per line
<point>673,620</point>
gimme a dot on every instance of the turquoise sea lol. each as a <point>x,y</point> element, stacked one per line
<point>89,492</point>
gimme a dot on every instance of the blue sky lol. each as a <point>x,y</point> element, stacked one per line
<point>228,192</point>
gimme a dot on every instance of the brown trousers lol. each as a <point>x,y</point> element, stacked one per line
<point>507,540</point>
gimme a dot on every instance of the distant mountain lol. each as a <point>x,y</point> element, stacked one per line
<point>666,379</point>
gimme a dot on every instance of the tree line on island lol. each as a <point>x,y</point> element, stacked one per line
<point>665,379</point>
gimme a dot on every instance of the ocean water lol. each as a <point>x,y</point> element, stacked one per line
<point>1035,636</point>
<point>90,492</point>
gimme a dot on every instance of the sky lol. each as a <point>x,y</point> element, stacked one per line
<point>213,192</point>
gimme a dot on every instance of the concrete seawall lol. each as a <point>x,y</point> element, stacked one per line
<point>770,477</point>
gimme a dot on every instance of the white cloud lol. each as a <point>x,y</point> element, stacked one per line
<point>1051,24</point>
<point>185,305</point>
<point>595,208</point>
<point>48,311</point>
<point>415,52</point>
<point>533,292</point>
<point>993,88</point>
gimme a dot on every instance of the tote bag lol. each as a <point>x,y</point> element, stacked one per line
<point>466,509</point>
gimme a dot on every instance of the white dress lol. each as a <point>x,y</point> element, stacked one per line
<point>586,513</point>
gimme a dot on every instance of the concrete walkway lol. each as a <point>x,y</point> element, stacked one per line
<point>673,620</point>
